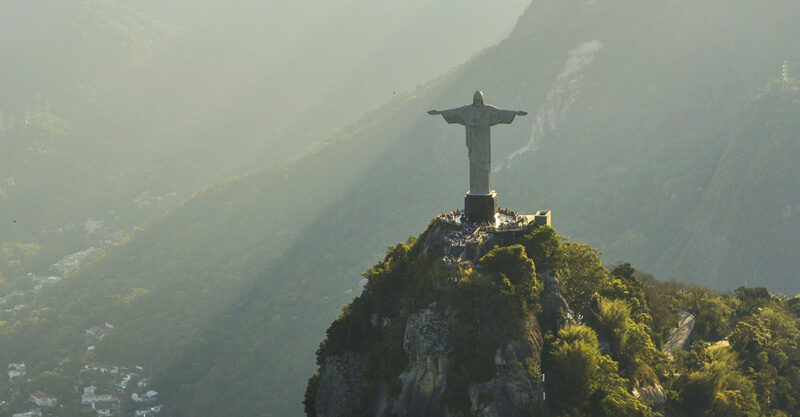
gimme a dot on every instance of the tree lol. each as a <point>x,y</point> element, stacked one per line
<point>751,339</point>
<point>582,277</point>
<point>794,305</point>
<point>712,318</point>
<point>697,356</point>
<point>751,299</point>
<point>720,387</point>
<point>630,342</point>
<point>544,246</point>
<point>574,364</point>
<point>512,263</point>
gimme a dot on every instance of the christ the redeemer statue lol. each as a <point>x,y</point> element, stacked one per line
<point>480,203</point>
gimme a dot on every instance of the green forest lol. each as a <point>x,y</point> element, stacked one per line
<point>742,358</point>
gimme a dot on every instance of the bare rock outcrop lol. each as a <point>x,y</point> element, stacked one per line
<point>555,310</point>
<point>650,394</point>
<point>349,384</point>
<point>512,390</point>
<point>426,341</point>
<point>340,382</point>
<point>680,336</point>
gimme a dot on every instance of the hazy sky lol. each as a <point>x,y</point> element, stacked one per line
<point>180,94</point>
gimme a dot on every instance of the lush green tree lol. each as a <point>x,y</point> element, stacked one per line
<point>630,343</point>
<point>574,363</point>
<point>613,398</point>
<point>582,380</point>
<point>720,387</point>
<point>751,299</point>
<point>512,263</point>
<point>583,277</point>
<point>794,305</point>
<point>730,403</point>
<point>697,356</point>
<point>632,291</point>
<point>750,339</point>
<point>545,247</point>
<point>712,318</point>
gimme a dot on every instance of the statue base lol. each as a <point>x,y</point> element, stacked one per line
<point>480,208</point>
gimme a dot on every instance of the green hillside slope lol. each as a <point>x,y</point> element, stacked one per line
<point>494,335</point>
<point>746,225</point>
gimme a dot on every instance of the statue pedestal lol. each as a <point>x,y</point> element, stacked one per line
<point>480,207</point>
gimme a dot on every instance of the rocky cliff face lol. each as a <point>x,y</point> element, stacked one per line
<point>466,320</point>
<point>427,346</point>
<point>437,338</point>
<point>512,390</point>
<point>339,384</point>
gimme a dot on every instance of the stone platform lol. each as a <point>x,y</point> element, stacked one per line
<point>479,208</point>
<point>464,240</point>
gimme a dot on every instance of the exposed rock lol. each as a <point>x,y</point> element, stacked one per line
<point>419,389</point>
<point>722,343</point>
<point>339,385</point>
<point>604,342</point>
<point>379,321</point>
<point>427,344</point>
<point>508,394</point>
<point>512,390</point>
<point>680,336</point>
<point>427,332</point>
<point>434,237</point>
<point>650,394</point>
<point>555,310</point>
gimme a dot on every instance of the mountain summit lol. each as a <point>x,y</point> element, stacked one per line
<point>446,325</point>
<point>512,320</point>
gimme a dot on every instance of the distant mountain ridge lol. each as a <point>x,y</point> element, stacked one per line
<point>102,101</point>
<point>748,218</point>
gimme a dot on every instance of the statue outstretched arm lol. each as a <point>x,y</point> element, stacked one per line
<point>500,116</point>
<point>451,115</point>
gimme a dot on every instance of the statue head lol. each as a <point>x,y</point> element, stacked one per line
<point>477,99</point>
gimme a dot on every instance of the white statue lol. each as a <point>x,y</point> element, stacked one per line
<point>478,118</point>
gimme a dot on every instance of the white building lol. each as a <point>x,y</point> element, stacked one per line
<point>146,397</point>
<point>43,400</point>
<point>97,367</point>
<point>29,413</point>
<point>16,370</point>
<point>94,398</point>
<point>148,412</point>
<point>107,408</point>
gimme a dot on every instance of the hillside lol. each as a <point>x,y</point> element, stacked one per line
<point>116,110</point>
<point>746,225</point>
<point>534,325</point>
<point>629,122</point>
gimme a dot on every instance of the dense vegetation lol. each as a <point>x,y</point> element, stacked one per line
<point>741,360</point>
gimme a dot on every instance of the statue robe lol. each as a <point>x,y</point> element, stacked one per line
<point>478,120</point>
